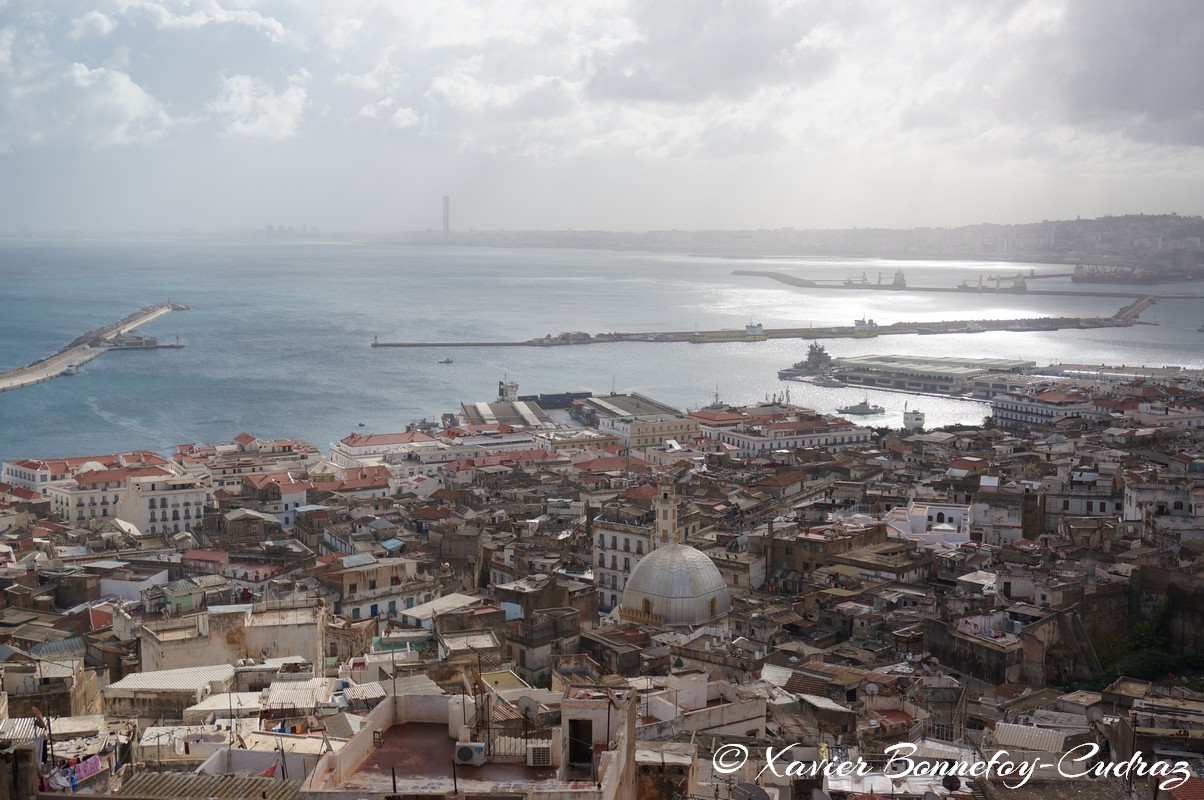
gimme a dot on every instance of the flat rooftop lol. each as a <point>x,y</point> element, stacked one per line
<point>423,755</point>
<point>627,405</point>
<point>947,366</point>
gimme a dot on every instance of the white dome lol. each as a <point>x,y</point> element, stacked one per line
<point>678,584</point>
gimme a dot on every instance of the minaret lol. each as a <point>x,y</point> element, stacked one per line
<point>666,516</point>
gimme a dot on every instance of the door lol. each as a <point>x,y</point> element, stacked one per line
<point>581,741</point>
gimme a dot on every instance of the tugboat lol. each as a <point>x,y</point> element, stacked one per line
<point>862,409</point>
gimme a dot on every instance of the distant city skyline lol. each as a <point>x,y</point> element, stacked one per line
<point>133,115</point>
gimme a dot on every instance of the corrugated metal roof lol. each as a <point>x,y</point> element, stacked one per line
<point>358,560</point>
<point>187,785</point>
<point>302,695</point>
<point>75,646</point>
<point>365,691</point>
<point>1029,737</point>
<point>20,729</point>
<point>174,680</point>
<point>343,725</point>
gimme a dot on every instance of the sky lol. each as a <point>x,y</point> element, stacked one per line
<point>592,114</point>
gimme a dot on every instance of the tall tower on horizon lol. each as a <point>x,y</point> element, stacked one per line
<point>446,218</point>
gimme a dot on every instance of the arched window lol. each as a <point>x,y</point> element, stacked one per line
<point>714,606</point>
<point>940,517</point>
<point>647,606</point>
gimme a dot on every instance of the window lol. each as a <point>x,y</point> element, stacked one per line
<point>614,562</point>
<point>151,503</point>
<point>627,565</point>
<point>647,606</point>
<point>627,543</point>
<point>1090,506</point>
<point>371,584</point>
<point>1065,505</point>
<point>352,588</point>
<point>614,543</point>
<point>601,541</point>
<point>639,548</point>
<point>714,606</point>
<point>614,582</point>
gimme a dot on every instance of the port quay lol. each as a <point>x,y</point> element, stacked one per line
<point>1124,317</point>
<point>90,345</point>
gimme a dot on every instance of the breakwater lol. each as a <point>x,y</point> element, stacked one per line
<point>83,348</point>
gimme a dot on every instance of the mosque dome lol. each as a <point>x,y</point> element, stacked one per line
<point>677,584</point>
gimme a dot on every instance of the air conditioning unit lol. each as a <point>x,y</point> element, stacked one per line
<point>539,755</point>
<point>470,753</point>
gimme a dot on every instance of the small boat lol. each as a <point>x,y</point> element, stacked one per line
<point>1200,329</point>
<point>829,381</point>
<point>446,361</point>
<point>71,369</point>
<point>361,424</point>
<point>862,409</point>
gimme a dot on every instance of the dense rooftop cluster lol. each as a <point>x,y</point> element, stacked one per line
<point>590,600</point>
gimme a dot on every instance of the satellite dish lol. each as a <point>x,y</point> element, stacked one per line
<point>951,782</point>
<point>528,706</point>
<point>871,689</point>
<point>819,794</point>
<point>1094,714</point>
<point>931,796</point>
<point>751,791</point>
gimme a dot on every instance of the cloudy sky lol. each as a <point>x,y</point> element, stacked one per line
<point>131,114</point>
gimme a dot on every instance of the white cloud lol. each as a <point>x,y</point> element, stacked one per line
<point>374,110</point>
<point>251,109</point>
<point>94,23</point>
<point>404,118</point>
<point>110,109</point>
<point>200,13</point>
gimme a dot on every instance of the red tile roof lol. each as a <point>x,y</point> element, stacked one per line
<point>204,555</point>
<point>381,439</point>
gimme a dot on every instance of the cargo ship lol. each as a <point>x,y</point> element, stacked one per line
<point>753,332</point>
<point>1016,284</point>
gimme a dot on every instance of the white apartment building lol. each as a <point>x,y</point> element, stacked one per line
<point>165,504</point>
<point>368,449</point>
<point>95,493</point>
<point>37,474</point>
<point>649,430</point>
<point>757,438</point>
<point>1020,410</point>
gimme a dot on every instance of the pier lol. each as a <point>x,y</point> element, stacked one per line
<point>85,348</point>
<point>1125,317</point>
<point>792,280</point>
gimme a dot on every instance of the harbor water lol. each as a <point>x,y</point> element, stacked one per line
<point>278,335</point>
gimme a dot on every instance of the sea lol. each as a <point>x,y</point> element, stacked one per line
<point>278,335</point>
